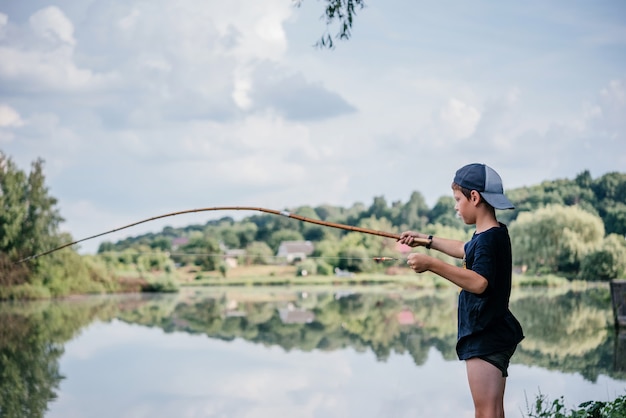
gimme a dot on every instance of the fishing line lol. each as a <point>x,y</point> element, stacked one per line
<point>308,257</point>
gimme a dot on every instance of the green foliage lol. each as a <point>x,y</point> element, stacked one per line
<point>557,227</point>
<point>306,267</point>
<point>544,408</point>
<point>199,251</point>
<point>163,285</point>
<point>414,214</point>
<point>555,238</point>
<point>607,262</point>
<point>223,268</point>
<point>615,218</point>
<point>28,217</point>
<point>258,253</point>
<point>323,268</point>
<point>443,213</point>
<point>25,291</point>
<point>571,214</point>
<point>341,12</point>
<point>29,222</point>
<point>33,335</point>
<point>354,258</point>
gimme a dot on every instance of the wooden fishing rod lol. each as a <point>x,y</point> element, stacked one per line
<point>248,208</point>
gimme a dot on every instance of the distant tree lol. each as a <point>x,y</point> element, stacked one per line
<point>328,250</point>
<point>199,251</point>
<point>310,231</point>
<point>413,214</point>
<point>443,213</point>
<point>354,259</point>
<point>554,238</point>
<point>584,180</point>
<point>154,261</point>
<point>29,219</point>
<point>354,213</point>
<point>611,186</point>
<point>106,246</point>
<point>330,213</point>
<point>258,253</point>
<point>246,231</point>
<point>161,243</point>
<point>229,237</point>
<point>607,262</point>
<point>376,246</point>
<point>379,208</point>
<point>615,219</point>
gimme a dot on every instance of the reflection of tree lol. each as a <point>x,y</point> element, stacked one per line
<point>29,370</point>
<point>359,321</point>
<point>567,331</point>
<point>32,336</point>
<point>570,332</point>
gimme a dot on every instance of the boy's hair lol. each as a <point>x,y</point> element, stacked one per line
<point>468,193</point>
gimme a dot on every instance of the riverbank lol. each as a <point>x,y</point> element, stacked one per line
<point>267,275</point>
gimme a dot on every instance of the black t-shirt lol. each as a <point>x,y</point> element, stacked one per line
<point>485,323</point>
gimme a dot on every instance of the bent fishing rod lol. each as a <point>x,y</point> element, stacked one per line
<point>231,208</point>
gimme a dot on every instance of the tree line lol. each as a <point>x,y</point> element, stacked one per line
<point>573,228</point>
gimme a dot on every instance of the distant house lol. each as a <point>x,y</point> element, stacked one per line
<point>179,242</point>
<point>295,250</point>
<point>231,255</point>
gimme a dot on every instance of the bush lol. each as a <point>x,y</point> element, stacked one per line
<point>543,408</point>
<point>25,291</point>
<point>306,267</point>
<point>607,262</point>
<point>323,268</point>
<point>161,286</point>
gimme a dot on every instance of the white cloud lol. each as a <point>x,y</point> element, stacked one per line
<point>144,107</point>
<point>40,56</point>
<point>612,105</point>
<point>50,23</point>
<point>459,119</point>
<point>9,117</point>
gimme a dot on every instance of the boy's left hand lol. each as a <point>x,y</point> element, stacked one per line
<point>418,262</point>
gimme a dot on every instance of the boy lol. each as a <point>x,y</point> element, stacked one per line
<point>488,333</point>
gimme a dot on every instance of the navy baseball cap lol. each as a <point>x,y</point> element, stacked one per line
<point>485,181</point>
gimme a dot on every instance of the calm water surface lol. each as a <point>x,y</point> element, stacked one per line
<point>291,352</point>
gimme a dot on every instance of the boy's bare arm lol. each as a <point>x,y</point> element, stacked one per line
<point>452,247</point>
<point>466,279</point>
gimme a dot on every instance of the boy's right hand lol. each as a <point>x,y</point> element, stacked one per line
<point>411,238</point>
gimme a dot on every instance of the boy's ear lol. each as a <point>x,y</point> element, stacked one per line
<point>475,197</point>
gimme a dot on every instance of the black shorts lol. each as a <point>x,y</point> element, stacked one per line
<point>500,359</point>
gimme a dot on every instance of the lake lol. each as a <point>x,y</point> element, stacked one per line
<point>296,352</point>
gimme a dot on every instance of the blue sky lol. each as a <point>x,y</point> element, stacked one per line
<point>144,108</point>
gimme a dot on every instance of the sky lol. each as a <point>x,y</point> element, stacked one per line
<point>143,108</point>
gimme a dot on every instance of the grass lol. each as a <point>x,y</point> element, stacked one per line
<point>544,408</point>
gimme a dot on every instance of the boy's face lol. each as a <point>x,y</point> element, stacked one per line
<point>464,207</point>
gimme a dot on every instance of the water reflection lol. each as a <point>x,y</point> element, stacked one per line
<point>567,332</point>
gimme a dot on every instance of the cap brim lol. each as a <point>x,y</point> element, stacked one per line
<point>497,200</point>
